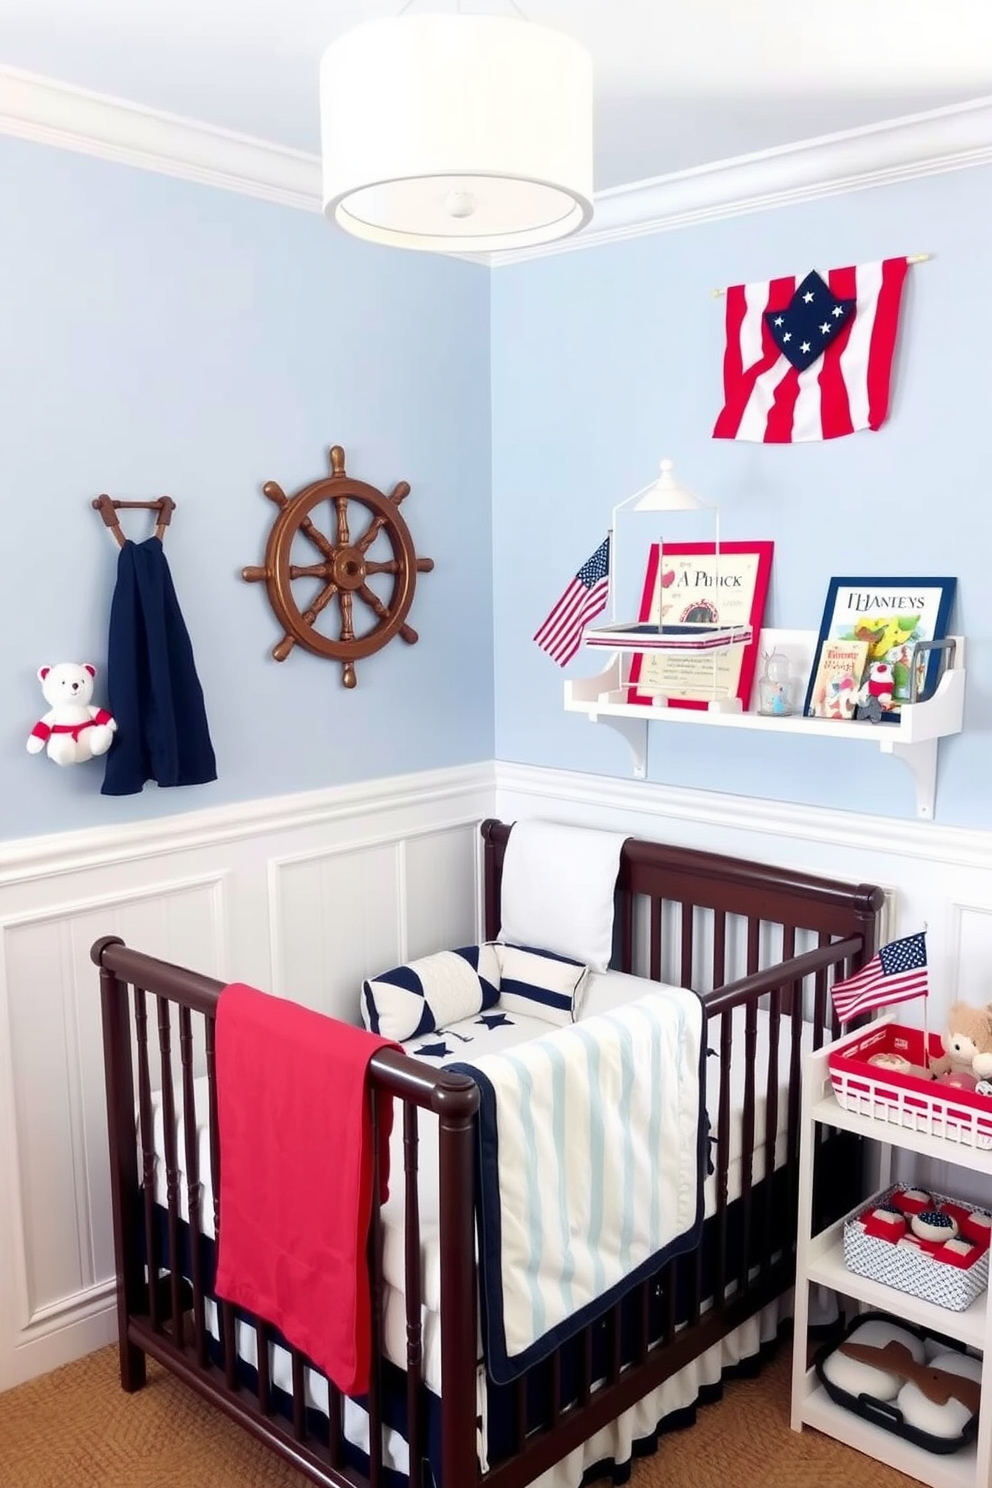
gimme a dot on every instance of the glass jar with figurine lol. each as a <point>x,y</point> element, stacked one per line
<point>775,685</point>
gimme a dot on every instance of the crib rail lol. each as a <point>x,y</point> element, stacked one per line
<point>162,1314</point>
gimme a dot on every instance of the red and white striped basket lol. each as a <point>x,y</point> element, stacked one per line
<point>906,1100</point>
<point>914,1270</point>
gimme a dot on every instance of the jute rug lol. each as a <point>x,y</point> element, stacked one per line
<point>76,1428</point>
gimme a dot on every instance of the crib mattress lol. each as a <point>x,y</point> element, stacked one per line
<point>464,1041</point>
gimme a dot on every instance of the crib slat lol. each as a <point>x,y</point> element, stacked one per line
<point>654,951</point>
<point>171,1169</point>
<point>125,1190</point>
<point>554,1389</point>
<point>753,961</point>
<point>747,1141</point>
<point>626,917</point>
<point>723,1155</point>
<point>788,951</point>
<point>520,1412</point>
<point>299,1396</point>
<point>719,949</point>
<point>696,1288</point>
<point>585,1366</point>
<point>414,1327</point>
<point>688,932</point>
<point>262,1364</point>
<point>147,1156</point>
<point>375,1279</point>
<point>334,1431</point>
<point>225,1310</point>
<point>820,997</point>
<point>795,1087</point>
<point>671,1302</point>
<point>616,1342</point>
<point>771,1128</point>
<point>644,1319</point>
<point>194,1188</point>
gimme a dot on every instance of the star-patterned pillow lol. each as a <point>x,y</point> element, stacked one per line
<point>812,320</point>
<point>538,983</point>
<point>430,993</point>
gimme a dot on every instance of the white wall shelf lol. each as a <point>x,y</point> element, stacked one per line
<point>820,1262</point>
<point>603,699</point>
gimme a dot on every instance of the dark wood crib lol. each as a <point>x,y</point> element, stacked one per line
<point>745,935</point>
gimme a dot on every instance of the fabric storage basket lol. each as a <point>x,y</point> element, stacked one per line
<point>906,1100</point>
<point>918,1272</point>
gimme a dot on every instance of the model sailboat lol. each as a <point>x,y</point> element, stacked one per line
<point>697,632</point>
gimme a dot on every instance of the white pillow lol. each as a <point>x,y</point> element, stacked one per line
<point>557,890</point>
<point>539,984</point>
<point>430,993</point>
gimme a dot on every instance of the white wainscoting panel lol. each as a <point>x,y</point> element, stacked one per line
<point>335,915</point>
<point>969,938</point>
<point>59,1115</point>
<point>344,914</point>
<point>451,919</point>
<point>301,895</point>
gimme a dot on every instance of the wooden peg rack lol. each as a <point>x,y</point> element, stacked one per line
<point>109,508</point>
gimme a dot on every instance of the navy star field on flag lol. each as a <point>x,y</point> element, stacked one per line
<point>813,318</point>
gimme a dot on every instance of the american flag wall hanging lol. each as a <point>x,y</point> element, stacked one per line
<point>810,357</point>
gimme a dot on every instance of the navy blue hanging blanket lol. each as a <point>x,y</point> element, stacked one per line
<point>154,692</point>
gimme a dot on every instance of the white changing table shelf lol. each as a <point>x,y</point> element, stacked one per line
<point>913,739</point>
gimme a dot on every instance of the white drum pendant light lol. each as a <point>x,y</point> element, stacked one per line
<point>457,132</point>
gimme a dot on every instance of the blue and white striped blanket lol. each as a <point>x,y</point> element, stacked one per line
<point>592,1161</point>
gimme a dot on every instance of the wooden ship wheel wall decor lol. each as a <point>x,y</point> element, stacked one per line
<point>344,567</point>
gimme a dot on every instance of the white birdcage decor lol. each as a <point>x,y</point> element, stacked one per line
<point>700,637</point>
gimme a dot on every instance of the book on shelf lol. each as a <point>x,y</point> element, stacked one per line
<point>840,671</point>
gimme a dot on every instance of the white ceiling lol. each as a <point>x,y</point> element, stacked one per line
<point>679,83</point>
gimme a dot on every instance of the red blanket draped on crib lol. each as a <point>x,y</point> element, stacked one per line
<point>296,1175</point>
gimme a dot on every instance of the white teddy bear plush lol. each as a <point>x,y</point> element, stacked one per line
<point>73,729</point>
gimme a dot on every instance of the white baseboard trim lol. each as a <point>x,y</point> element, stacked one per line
<point>910,838</point>
<point>465,787</point>
<point>51,112</point>
<point>88,1303</point>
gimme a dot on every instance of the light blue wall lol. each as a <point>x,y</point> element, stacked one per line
<point>161,337</point>
<point>606,360</point>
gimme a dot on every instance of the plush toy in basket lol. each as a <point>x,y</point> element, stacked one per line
<point>909,1381</point>
<point>928,1083</point>
<point>922,1243</point>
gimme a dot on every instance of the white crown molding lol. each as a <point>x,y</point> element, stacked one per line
<point>899,150</point>
<point>468,788</point>
<point>909,838</point>
<point>55,113</point>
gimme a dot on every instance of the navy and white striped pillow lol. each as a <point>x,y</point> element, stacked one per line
<point>539,983</point>
<point>430,993</point>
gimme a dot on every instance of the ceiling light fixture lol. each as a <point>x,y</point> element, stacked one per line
<point>455,132</point>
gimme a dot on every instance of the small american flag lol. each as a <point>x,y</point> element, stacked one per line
<point>585,598</point>
<point>894,974</point>
<point>810,358</point>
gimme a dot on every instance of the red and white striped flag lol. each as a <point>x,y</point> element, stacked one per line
<point>810,360</point>
<point>584,598</point>
<point>894,974</point>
